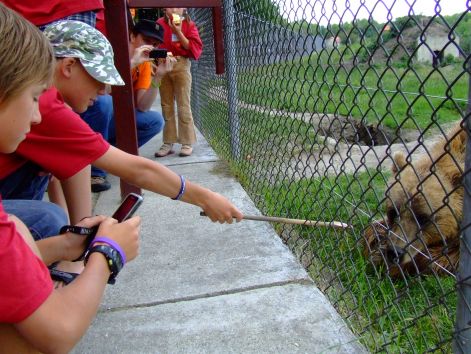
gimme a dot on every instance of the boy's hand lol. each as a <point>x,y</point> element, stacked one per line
<point>218,208</point>
<point>126,234</point>
<point>140,55</point>
<point>164,66</point>
<point>75,244</point>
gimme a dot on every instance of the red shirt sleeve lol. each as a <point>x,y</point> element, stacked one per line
<point>190,31</point>
<point>43,12</point>
<point>25,280</point>
<point>62,144</point>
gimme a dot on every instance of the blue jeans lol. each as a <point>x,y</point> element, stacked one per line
<point>43,219</point>
<point>22,193</point>
<point>100,117</point>
<point>25,183</point>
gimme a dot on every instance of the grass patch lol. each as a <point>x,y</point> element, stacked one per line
<point>416,314</point>
<point>413,315</point>
<point>394,95</point>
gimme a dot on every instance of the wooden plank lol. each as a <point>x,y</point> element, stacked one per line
<point>174,3</point>
<point>123,97</point>
<point>218,40</point>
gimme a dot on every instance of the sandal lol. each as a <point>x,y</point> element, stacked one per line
<point>186,150</point>
<point>164,150</point>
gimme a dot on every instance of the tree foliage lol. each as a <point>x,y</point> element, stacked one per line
<point>265,10</point>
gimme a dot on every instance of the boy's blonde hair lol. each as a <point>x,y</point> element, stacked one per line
<point>26,58</point>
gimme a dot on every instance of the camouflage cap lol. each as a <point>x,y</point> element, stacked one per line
<point>74,39</point>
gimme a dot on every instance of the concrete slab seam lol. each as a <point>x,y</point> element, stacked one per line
<point>301,281</point>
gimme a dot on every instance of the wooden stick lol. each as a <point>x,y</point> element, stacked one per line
<point>334,224</point>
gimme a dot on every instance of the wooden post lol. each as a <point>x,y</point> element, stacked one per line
<point>218,40</point>
<point>462,335</point>
<point>123,97</point>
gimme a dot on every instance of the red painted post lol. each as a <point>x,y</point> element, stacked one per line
<point>174,3</point>
<point>123,97</point>
<point>218,40</point>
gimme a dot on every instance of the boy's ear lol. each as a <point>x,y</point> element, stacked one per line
<point>66,65</point>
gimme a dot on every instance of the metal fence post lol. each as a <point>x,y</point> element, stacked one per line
<point>195,97</point>
<point>231,72</point>
<point>462,341</point>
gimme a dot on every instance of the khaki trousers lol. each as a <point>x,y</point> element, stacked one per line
<point>176,87</point>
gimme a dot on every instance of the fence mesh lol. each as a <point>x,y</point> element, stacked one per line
<point>350,112</point>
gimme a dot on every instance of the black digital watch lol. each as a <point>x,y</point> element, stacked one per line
<point>113,259</point>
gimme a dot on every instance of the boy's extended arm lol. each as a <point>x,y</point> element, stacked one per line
<point>157,178</point>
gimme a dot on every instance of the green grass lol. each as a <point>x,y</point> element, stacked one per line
<point>416,314</point>
<point>328,83</point>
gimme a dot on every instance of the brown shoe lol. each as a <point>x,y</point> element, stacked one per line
<point>99,184</point>
<point>186,150</point>
<point>164,150</point>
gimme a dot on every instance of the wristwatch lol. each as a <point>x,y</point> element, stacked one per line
<point>113,259</point>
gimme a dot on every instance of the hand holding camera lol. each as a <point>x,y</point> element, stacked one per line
<point>141,55</point>
<point>162,65</point>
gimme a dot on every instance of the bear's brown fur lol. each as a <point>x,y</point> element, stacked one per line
<point>424,202</point>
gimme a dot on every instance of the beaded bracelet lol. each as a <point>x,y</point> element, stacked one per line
<point>182,189</point>
<point>112,244</point>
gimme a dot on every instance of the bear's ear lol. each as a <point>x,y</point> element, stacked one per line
<point>456,178</point>
<point>399,161</point>
<point>457,141</point>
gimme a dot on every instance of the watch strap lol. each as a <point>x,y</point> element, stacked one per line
<point>89,232</point>
<point>113,259</point>
<point>79,230</point>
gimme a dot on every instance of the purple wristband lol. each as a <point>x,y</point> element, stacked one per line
<point>110,243</point>
<point>182,188</point>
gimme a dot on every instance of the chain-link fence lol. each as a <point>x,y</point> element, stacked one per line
<point>346,111</point>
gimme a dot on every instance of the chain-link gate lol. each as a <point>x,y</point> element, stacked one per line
<point>344,112</point>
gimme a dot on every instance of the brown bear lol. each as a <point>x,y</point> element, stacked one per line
<point>424,206</point>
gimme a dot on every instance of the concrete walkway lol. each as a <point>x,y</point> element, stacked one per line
<point>201,287</point>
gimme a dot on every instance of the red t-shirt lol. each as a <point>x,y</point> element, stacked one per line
<point>62,144</point>
<point>25,280</point>
<point>190,31</point>
<point>43,12</point>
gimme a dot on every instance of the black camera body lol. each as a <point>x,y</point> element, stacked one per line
<point>158,53</point>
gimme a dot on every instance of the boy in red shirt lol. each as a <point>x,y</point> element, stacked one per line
<point>42,13</point>
<point>64,145</point>
<point>34,316</point>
